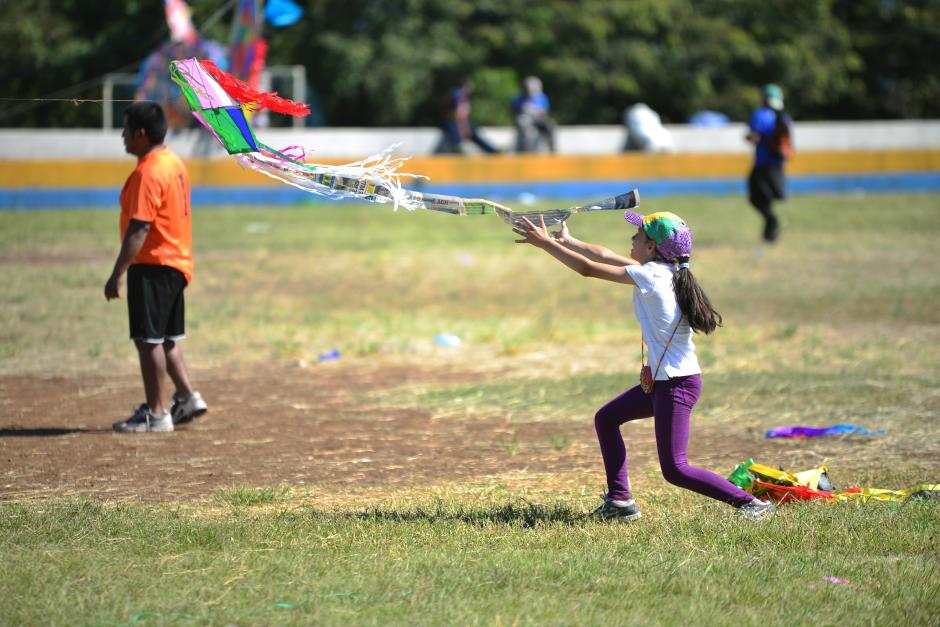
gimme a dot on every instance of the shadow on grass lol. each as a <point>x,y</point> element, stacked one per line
<point>24,432</point>
<point>523,514</point>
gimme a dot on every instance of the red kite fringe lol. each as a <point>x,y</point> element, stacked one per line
<point>243,93</point>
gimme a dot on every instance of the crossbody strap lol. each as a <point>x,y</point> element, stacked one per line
<point>661,357</point>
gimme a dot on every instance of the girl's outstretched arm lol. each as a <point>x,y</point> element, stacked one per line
<point>539,237</point>
<point>594,252</point>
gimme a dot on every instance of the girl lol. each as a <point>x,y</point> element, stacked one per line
<point>669,305</point>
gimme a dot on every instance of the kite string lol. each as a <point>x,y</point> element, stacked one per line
<point>75,101</point>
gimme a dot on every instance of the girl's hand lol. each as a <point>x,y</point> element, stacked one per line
<point>538,236</point>
<point>562,234</point>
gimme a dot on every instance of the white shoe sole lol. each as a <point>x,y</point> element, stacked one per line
<point>160,428</point>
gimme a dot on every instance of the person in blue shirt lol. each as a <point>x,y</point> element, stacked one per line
<point>770,132</point>
<point>530,111</point>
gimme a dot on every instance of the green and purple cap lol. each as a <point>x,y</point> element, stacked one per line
<point>672,235</point>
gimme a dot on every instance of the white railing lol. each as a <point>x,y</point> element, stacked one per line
<point>350,143</point>
<point>125,84</point>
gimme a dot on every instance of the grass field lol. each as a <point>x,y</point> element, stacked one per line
<point>838,323</point>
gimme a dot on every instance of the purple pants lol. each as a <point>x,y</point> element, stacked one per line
<point>671,405</point>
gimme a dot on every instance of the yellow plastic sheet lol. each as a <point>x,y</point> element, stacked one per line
<point>877,494</point>
<point>773,475</point>
<point>810,478</point>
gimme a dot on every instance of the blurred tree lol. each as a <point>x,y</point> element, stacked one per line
<point>392,62</point>
<point>897,43</point>
<point>64,48</point>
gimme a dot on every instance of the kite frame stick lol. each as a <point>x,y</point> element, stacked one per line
<point>627,200</point>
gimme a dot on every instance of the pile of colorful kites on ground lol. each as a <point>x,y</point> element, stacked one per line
<point>814,484</point>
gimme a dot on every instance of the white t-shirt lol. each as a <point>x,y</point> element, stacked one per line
<point>656,308</point>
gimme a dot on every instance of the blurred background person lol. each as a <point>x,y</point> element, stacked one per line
<point>530,112</point>
<point>770,130</point>
<point>458,127</point>
<point>645,130</point>
<point>153,79</point>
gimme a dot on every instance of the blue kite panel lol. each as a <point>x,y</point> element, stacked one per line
<point>238,117</point>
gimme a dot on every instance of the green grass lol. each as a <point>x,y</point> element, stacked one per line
<point>839,322</point>
<point>369,281</point>
<point>859,394</point>
<point>247,496</point>
<point>454,561</point>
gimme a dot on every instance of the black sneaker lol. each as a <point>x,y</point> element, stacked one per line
<point>771,230</point>
<point>610,511</point>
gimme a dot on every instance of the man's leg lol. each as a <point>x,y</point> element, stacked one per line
<point>480,141</point>
<point>521,143</point>
<point>760,195</point>
<point>176,368</point>
<point>187,402</point>
<point>148,300</point>
<point>526,133</point>
<point>452,131</point>
<point>546,129</point>
<point>153,372</point>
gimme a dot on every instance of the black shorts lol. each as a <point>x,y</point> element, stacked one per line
<point>155,307</point>
<point>766,183</point>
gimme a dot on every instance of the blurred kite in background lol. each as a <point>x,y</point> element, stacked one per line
<point>248,49</point>
<point>223,104</point>
<point>185,41</point>
<point>244,57</point>
<point>797,432</point>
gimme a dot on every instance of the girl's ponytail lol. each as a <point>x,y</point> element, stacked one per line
<point>692,300</point>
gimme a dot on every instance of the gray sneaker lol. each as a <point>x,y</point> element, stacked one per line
<point>142,421</point>
<point>610,511</point>
<point>757,509</point>
<point>184,411</point>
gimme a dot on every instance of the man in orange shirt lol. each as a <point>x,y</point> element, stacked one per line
<point>156,254</point>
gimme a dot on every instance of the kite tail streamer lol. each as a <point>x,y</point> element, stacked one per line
<point>243,93</point>
<point>375,178</point>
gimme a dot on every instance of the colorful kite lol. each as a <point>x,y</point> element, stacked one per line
<point>814,484</point>
<point>248,49</point>
<point>185,41</point>
<point>220,102</point>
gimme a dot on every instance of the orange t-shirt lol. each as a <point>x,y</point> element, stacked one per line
<point>157,191</point>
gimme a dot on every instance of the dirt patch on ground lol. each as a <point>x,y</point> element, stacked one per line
<point>51,258</point>
<point>271,426</point>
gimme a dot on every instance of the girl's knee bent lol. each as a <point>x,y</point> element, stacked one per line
<point>605,419</point>
<point>675,475</point>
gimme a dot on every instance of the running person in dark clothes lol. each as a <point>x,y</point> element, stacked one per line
<point>770,130</point>
<point>458,127</point>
